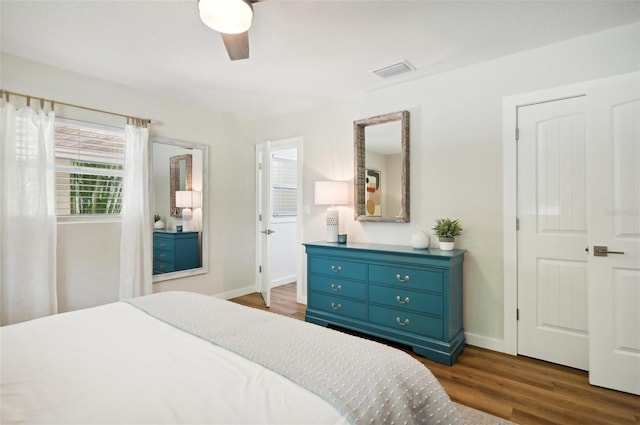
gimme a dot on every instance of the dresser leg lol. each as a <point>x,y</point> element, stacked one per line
<point>445,357</point>
<point>316,321</point>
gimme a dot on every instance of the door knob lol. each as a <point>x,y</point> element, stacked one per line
<point>267,231</point>
<point>603,251</point>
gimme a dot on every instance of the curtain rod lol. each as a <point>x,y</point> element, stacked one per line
<point>144,121</point>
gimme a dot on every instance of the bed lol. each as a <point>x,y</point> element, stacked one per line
<point>184,358</point>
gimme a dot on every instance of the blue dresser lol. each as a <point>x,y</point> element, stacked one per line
<point>398,293</point>
<point>174,251</point>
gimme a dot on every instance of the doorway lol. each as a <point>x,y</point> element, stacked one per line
<point>278,215</point>
<point>572,228</point>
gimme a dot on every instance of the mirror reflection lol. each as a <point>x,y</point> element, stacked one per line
<point>382,168</point>
<point>179,172</point>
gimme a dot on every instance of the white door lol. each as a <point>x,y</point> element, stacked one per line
<point>613,144</point>
<point>263,226</point>
<point>552,235</point>
<point>279,215</point>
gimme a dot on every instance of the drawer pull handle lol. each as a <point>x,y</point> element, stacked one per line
<point>336,306</point>
<point>161,244</point>
<point>402,279</point>
<point>336,287</point>
<point>401,301</point>
<point>404,322</point>
<point>336,269</point>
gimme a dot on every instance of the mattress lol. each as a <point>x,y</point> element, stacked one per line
<point>120,364</point>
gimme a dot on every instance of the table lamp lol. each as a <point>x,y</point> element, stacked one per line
<point>332,193</point>
<point>184,200</point>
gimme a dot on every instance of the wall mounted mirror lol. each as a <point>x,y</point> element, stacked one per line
<point>179,166</point>
<point>180,173</point>
<point>381,154</point>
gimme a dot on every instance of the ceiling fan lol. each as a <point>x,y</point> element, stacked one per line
<point>232,19</point>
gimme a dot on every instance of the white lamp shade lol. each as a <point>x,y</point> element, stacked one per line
<point>184,199</point>
<point>331,193</point>
<point>197,199</point>
<point>226,16</point>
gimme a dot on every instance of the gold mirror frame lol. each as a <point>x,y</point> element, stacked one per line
<point>175,178</point>
<point>359,127</point>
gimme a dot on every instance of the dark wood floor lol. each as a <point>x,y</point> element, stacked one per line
<point>523,390</point>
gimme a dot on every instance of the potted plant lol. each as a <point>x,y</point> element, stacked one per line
<point>446,230</point>
<point>157,222</point>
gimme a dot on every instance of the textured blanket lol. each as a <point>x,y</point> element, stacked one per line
<point>367,382</point>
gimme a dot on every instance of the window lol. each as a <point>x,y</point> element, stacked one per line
<point>89,169</point>
<point>284,187</point>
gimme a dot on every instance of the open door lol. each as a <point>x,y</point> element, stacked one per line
<point>263,202</point>
<point>279,247</point>
<point>613,143</point>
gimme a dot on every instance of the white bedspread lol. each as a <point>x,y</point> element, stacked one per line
<point>367,382</point>
<point>115,364</point>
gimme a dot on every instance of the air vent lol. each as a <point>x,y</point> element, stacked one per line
<point>395,69</point>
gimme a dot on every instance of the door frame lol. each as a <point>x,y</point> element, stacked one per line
<point>510,107</point>
<point>293,142</point>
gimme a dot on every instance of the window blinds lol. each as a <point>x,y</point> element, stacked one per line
<point>284,180</point>
<point>89,168</point>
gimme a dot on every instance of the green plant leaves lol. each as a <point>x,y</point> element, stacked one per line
<point>447,228</point>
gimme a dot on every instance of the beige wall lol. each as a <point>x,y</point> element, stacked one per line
<point>456,153</point>
<point>88,253</point>
<point>456,165</point>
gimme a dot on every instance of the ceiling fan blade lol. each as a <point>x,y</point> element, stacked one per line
<point>237,45</point>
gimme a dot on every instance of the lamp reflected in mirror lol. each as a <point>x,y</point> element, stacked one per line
<point>184,200</point>
<point>188,201</point>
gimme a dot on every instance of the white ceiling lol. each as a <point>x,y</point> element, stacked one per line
<point>303,52</point>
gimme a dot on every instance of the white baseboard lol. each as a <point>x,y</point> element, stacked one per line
<point>493,344</point>
<point>251,289</point>
<point>236,293</point>
<point>283,281</point>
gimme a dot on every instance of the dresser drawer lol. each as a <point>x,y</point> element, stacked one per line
<point>332,285</point>
<point>404,299</point>
<point>163,267</point>
<point>162,243</point>
<point>403,320</point>
<point>406,277</point>
<point>162,255</point>
<point>338,305</point>
<point>338,268</point>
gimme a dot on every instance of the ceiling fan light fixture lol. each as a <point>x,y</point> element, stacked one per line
<point>226,16</point>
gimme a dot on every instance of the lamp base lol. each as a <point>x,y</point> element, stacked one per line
<point>186,219</point>
<point>333,222</point>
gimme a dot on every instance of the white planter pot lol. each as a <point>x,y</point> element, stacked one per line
<point>446,244</point>
<point>158,225</point>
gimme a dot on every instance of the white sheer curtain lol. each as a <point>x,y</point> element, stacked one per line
<point>27,214</point>
<point>135,236</point>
